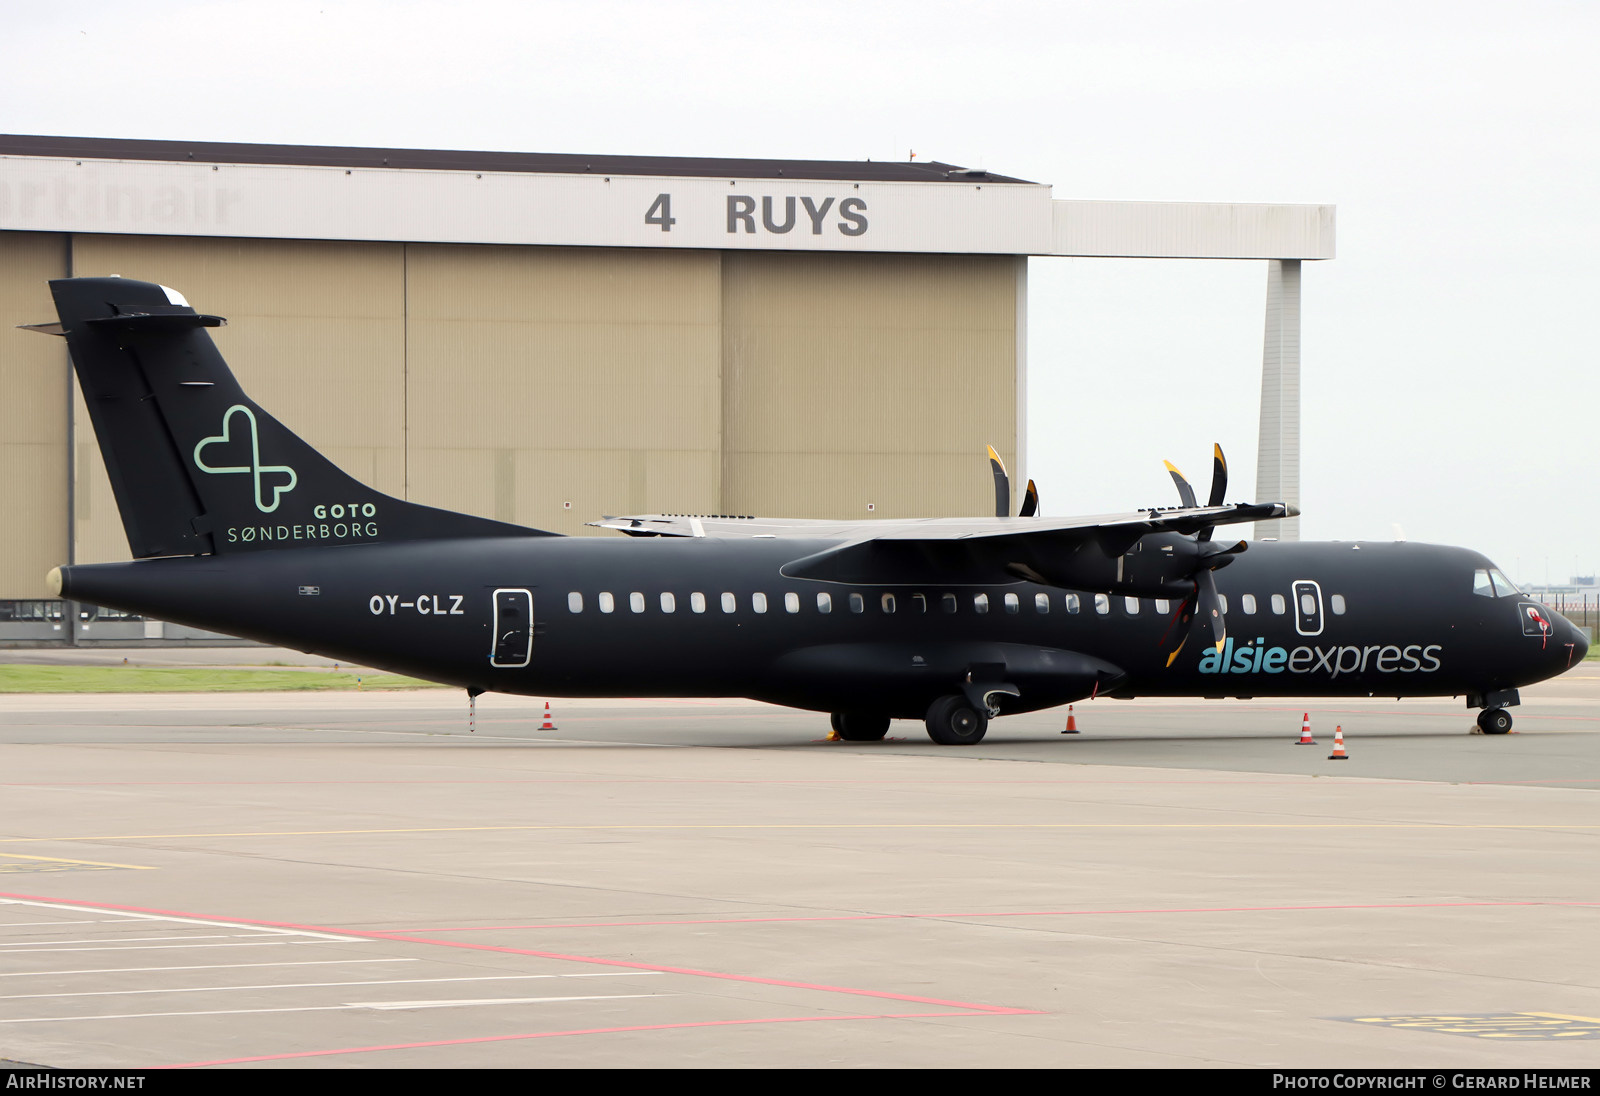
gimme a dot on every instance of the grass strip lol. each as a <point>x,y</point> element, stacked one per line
<point>142,679</point>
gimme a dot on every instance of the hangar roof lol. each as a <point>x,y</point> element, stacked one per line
<point>310,192</point>
<point>542,163</point>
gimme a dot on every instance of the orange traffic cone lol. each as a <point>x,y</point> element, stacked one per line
<point>1305,731</point>
<point>1072,722</point>
<point>1338,753</point>
<point>547,725</point>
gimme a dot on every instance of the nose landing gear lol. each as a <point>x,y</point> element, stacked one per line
<point>1494,721</point>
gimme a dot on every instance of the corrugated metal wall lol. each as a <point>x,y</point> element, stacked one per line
<point>514,381</point>
<point>543,377</point>
<point>857,379</point>
<point>33,416</point>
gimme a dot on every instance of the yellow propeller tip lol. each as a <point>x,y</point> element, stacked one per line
<point>1220,644</point>
<point>994,456</point>
<point>1173,468</point>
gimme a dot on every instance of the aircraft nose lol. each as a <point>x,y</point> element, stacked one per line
<point>1579,640</point>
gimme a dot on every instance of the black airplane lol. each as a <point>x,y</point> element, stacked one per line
<point>239,526</point>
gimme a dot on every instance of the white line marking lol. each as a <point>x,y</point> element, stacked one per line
<point>323,985</point>
<point>206,966</point>
<point>183,920</point>
<point>126,939</point>
<point>467,1002</point>
<point>330,1008</point>
<point>33,924</point>
<point>166,947</point>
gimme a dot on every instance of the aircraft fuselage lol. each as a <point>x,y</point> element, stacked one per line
<point>557,616</point>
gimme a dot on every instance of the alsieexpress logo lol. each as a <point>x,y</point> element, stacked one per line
<point>1254,657</point>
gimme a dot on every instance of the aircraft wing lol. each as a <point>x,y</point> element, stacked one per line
<point>1083,553</point>
<point>1176,519</point>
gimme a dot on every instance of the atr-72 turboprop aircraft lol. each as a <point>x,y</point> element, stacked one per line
<point>239,526</point>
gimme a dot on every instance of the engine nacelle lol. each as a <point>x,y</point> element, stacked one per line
<point>1157,565</point>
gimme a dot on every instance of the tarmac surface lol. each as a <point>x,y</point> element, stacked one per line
<point>355,880</point>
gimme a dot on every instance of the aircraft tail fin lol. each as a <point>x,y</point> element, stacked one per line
<point>198,467</point>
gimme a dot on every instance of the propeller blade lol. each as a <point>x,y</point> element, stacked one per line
<point>1185,492</point>
<point>1180,621</point>
<point>1219,486</point>
<point>1219,476</point>
<point>1002,485</point>
<point>1030,502</point>
<point>1211,607</point>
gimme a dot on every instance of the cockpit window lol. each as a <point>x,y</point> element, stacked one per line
<point>1503,587</point>
<point>1481,584</point>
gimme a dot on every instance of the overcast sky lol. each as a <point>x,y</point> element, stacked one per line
<point>1449,352</point>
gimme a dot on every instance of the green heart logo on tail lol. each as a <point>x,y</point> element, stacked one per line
<point>255,469</point>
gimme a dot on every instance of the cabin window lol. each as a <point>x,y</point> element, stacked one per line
<point>669,604</point>
<point>729,603</point>
<point>1503,587</point>
<point>1163,606</point>
<point>1102,604</point>
<point>1481,584</point>
<point>758,603</point>
<point>858,604</point>
<point>1308,604</point>
<point>697,602</point>
<point>1041,603</point>
<point>824,603</point>
<point>1132,605</point>
<point>949,601</point>
<point>636,602</point>
<point>1013,604</point>
<point>980,603</point>
<point>1072,603</point>
<point>1279,605</point>
<point>791,603</point>
<point>1336,603</point>
<point>1247,602</point>
<point>607,602</point>
<point>1222,603</point>
<point>922,602</point>
<point>888,603</point>
<point>574,602</point>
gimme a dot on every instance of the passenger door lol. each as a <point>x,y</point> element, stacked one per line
<point>513,629</point>
<point>1307,607</point>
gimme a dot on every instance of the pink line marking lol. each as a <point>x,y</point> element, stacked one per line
<point>995,1010</point>
<point>955,916</point>
<point>578,1031</point>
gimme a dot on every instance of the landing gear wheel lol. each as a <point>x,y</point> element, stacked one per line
<point>1494,721</point>
<point>860,726</point>
<point>952,721</point>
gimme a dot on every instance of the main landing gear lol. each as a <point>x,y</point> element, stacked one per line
<point>953,721</point>
<point>860,726</point>
<point>1494,721</point>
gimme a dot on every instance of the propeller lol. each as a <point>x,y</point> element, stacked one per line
<point>1002,485</point>
<point>1002,490</point>
<point>1204,599</point>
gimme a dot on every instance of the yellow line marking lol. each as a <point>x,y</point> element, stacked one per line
<point>64,860</point>
<point>838,826</point>
<point>1564,1016</point>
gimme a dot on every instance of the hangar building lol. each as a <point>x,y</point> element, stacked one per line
<point>543,339</point>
